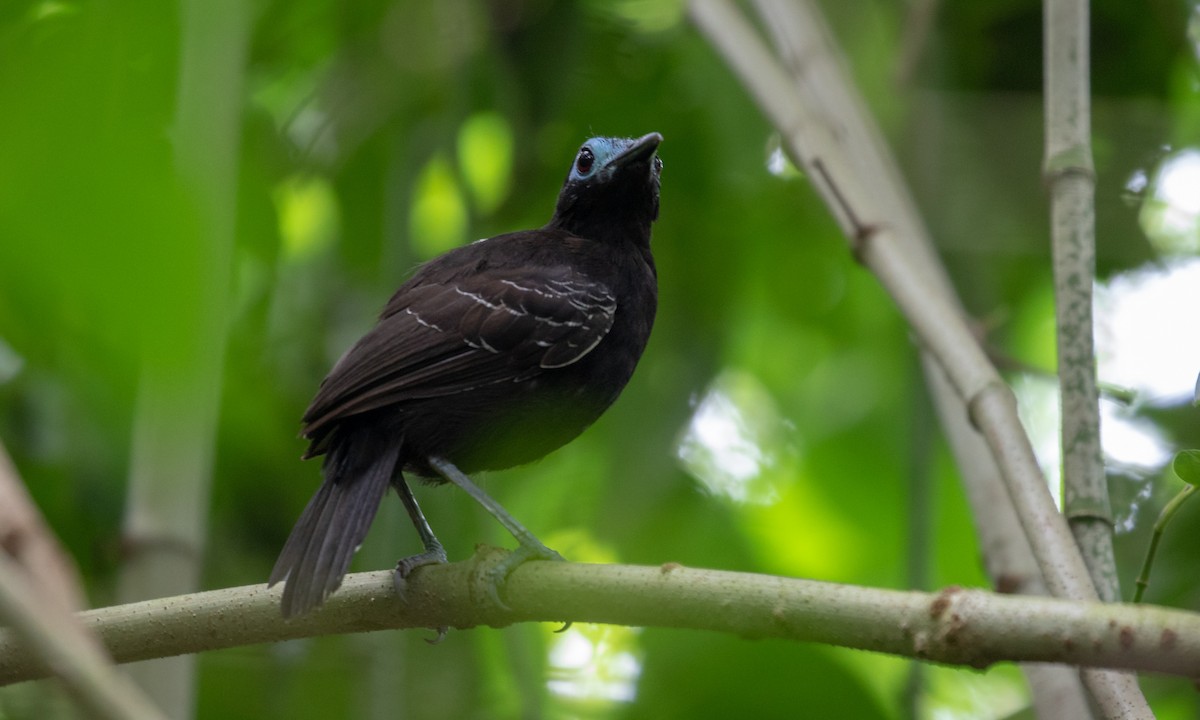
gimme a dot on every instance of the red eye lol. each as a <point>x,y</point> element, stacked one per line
<point>584,162</point>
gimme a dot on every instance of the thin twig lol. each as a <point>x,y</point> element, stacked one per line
<point>55,645</point>
<point>914,39</point>
<point>38,592</point>
<point>1164,518</point>
<point>25,536</point>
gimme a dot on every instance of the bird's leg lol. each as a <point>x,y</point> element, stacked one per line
<point>529,547</point>
<point>434,552</point>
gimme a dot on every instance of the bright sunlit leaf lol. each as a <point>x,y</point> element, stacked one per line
<point>485,154</point>
<point>740,449</point>
<point>439,213</point>
<point>308,215</point>
<point>953,694</point>
<point>52,8</point>
<point>592,668</point>
<point>778,162</point>
<point>1037,405</point>
<point>734,440</point>
<point>1145,336</point>
<point>647,16</point>
<point>1171,216</point>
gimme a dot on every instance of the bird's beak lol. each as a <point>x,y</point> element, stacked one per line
<point>641,150</point>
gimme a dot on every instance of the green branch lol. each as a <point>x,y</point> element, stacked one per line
<point>957,626</point>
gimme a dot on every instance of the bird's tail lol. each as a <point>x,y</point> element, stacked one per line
<point>317,554</point>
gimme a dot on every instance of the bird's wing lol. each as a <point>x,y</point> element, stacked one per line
<point>442,338</point>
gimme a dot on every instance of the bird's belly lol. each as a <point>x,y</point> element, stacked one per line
<point>512,423</point>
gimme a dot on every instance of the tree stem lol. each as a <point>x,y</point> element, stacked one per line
<point>955,625</point>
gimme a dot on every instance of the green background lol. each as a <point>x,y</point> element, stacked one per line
<point>376,134</point>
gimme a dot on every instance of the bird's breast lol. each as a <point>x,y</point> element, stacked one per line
<point>517,421</point>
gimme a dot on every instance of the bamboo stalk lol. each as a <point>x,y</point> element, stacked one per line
<point>1069,175</point>
<point>180,385</point>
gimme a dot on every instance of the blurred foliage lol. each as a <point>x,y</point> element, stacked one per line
<point>377,133</point>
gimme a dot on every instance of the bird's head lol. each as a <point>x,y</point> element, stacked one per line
<point>612,189</point>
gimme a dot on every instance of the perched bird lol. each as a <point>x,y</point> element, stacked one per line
<point>491,356</point>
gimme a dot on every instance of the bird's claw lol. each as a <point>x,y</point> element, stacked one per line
<point>497,575</point>
<point>405,567</point>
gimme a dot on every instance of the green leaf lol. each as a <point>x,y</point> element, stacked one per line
<point>307,207</point>
<point>438,219</point>
<point>1187,466</point>
<point>485,154</point>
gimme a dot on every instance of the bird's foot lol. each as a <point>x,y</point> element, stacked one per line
<point>432,556</point>
<point>435,555</point>
<point>497,575</point>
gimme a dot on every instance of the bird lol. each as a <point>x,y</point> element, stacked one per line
<point>490,356</point>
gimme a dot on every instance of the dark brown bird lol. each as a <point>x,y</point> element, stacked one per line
<point>491,356</point>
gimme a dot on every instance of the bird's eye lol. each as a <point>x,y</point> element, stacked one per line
<point>584,162</point>
<point>657,164</point>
